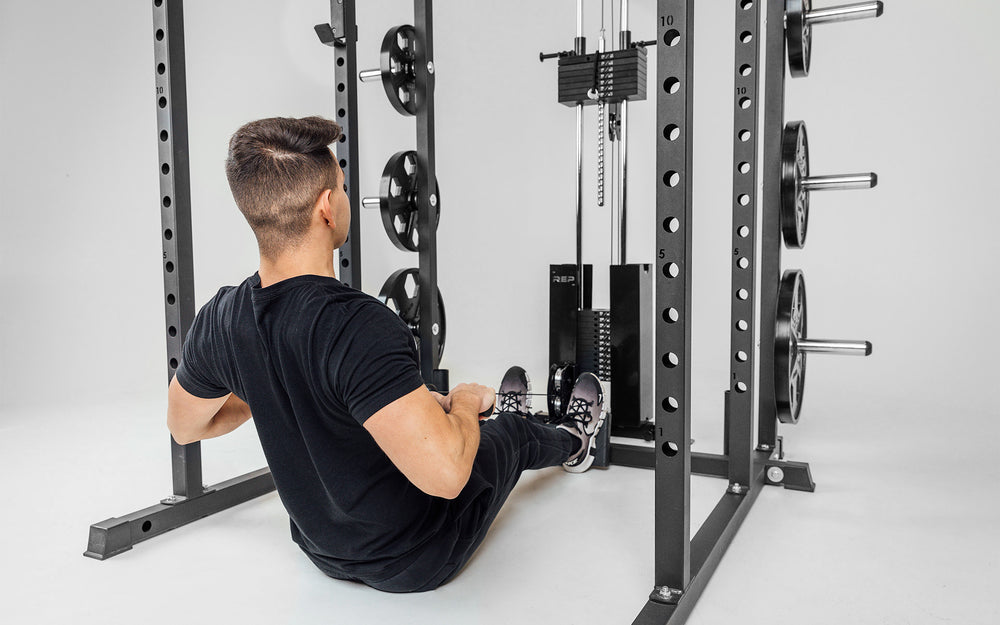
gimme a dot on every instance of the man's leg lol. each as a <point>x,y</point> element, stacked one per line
<point>511,444</point>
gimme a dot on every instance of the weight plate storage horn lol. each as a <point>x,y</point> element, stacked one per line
<point>791,344</point>
<point>396,64</point>
<point>794,195</point>
<point>401,293</point>
<point>398,200</point>
<point>789,361</point>
<point>798,34</point>
<point>797,183</point>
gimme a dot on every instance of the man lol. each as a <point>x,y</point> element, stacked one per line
<point>385,482</point>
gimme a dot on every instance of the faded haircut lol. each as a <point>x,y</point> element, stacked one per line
<point>277,169</point>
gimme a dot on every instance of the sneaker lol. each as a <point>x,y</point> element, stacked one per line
<point>513,394</point>
<point>584,419</point>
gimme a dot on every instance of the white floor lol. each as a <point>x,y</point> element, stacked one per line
<point>902,529</point>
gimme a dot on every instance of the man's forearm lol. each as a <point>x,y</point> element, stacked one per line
<point>234,413</point>
<point>464,416</point>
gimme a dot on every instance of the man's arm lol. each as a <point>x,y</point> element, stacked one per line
<point>434,449</point>
<point>191,418</point>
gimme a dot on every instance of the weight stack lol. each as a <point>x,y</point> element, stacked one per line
<point>593,354</point>
<point>618,75</point>
<point>593,343</point>
<point>631,337</point>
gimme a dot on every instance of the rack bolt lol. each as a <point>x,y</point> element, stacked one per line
<point>775,474</point>
<point>435,329</point>
<point>434,199</point>
<point>430,67</point>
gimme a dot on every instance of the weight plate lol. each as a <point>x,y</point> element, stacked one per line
<point>794,195</point>
<point>401,292</point>
<point>396,63</point>
<point>789,362</point>
<point>562,377</point>
<point>398,200</point>
<point>799,36</point>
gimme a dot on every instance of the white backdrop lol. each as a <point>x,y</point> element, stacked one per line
<point>910,265</point>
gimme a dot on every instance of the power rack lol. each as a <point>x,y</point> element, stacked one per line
<point>768,28</point>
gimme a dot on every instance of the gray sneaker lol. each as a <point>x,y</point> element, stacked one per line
<point>584,419</point>
<point>513,393</point>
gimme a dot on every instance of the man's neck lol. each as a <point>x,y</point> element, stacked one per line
<point>300,263</point>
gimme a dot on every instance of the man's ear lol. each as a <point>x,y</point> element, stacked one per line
<point>324,208</point>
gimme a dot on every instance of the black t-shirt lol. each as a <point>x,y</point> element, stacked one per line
<point>314,359</point>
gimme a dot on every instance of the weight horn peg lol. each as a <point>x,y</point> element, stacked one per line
<point>401,293</point>
<point>791,347</point>
<point>797,184</point>
<point>800,17</point>
<point>397,200</point>
<point>396,69</point>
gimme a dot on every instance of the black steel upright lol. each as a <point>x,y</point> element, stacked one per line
<point>191,500</point>
<point>770,206</point>
<point>672,324</point>
<point>743,294</point>
<point>175,216</point>
<point>427,198</point>
<point>342,34</point>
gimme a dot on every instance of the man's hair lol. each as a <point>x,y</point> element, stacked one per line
<point>277,168</point>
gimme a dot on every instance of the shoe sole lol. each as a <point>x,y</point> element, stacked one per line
<point>584,463</point>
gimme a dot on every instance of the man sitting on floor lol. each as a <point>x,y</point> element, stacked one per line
<point>385,482</point>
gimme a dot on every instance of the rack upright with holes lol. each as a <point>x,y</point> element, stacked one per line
<point>191,500</point>
<point>683,567</point>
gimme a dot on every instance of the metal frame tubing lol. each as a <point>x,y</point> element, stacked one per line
<point>343,21</point>
<point>770,205</point>
<point>739,425</point>
<point>671,326</point>
<point>191,499</point>
<point>424,95</point>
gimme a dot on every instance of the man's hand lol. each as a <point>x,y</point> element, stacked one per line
<point>484,394</point>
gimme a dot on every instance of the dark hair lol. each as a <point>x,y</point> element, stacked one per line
<point>277,168</point>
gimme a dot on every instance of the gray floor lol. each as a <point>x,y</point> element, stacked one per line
<point>902,529</point>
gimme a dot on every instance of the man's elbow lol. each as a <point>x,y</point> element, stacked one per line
<point>181,435</point>
<point>449,484</point>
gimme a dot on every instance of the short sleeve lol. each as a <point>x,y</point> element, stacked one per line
<point>373,362</point>
<point>198,371</point>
